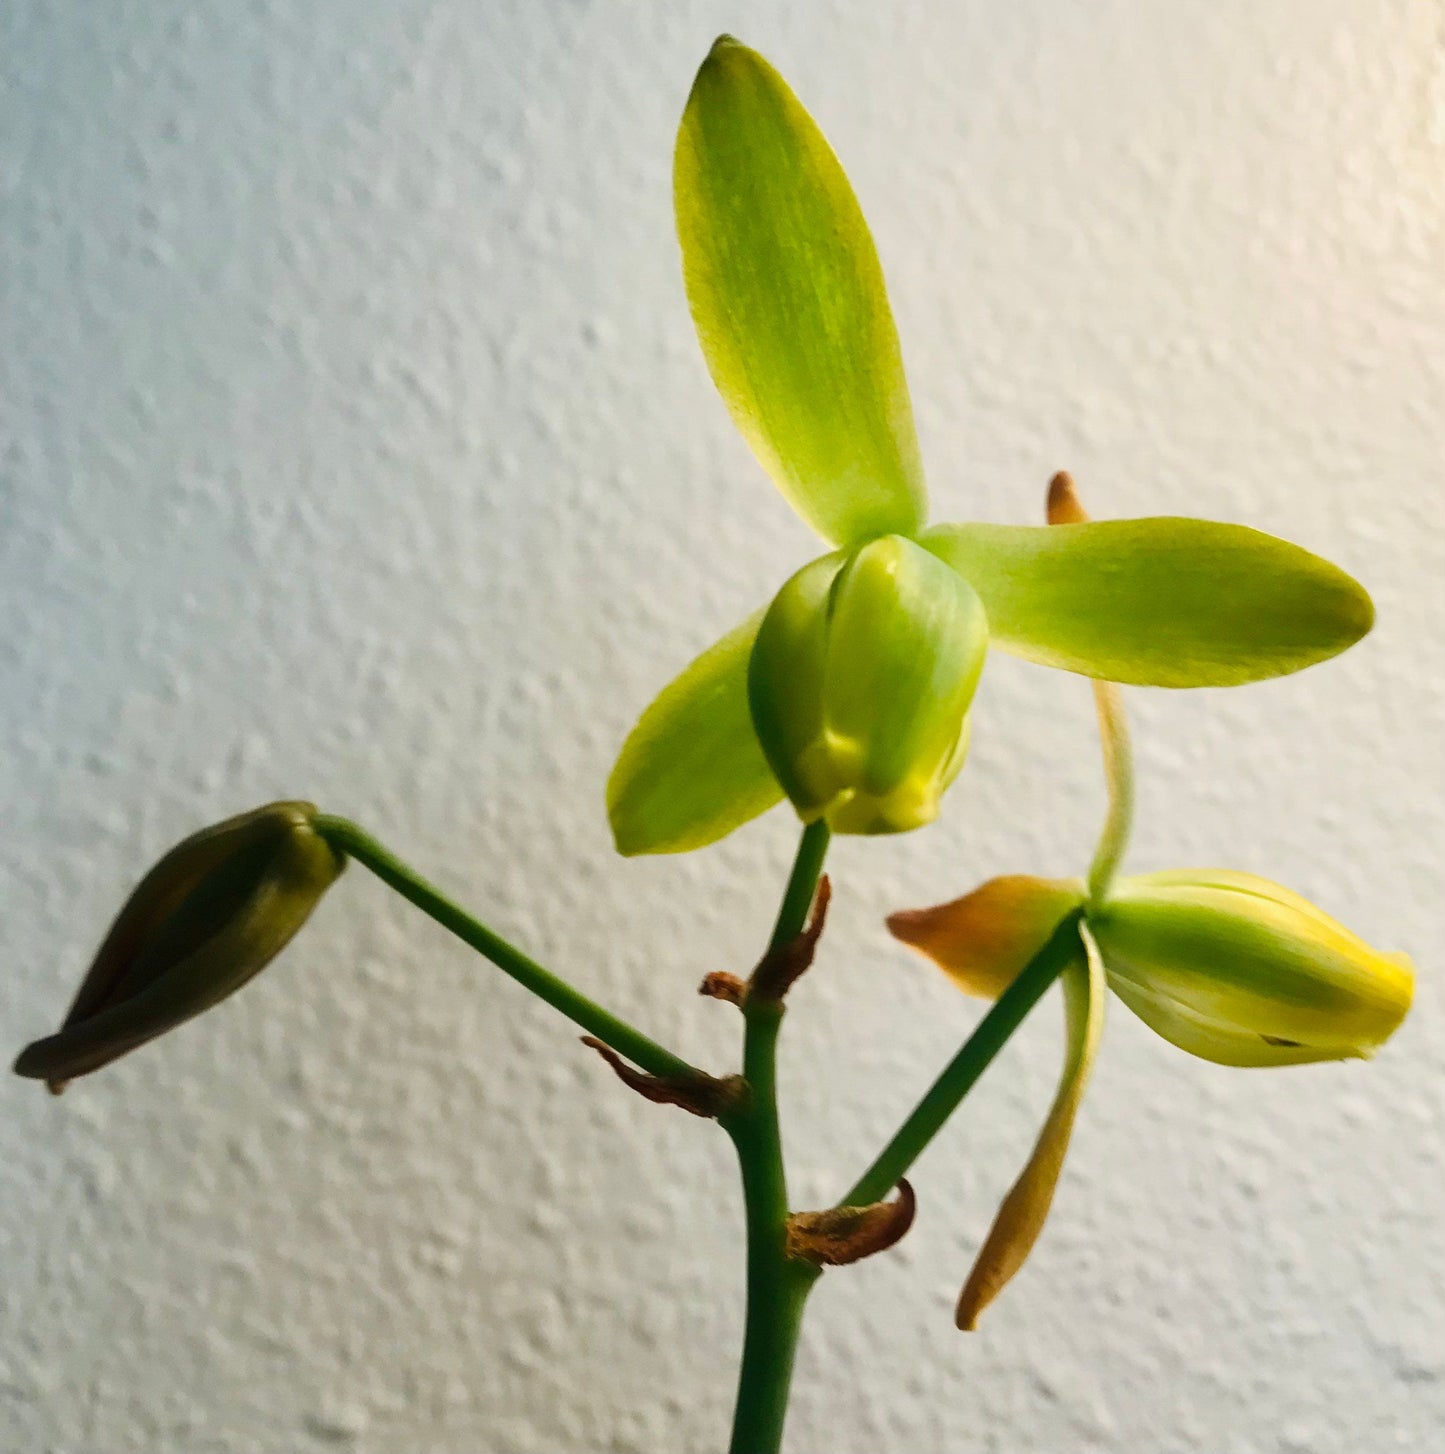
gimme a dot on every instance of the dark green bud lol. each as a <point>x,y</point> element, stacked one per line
<point>213,913</point>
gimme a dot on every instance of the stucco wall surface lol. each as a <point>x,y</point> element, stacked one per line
<point>354,444</point>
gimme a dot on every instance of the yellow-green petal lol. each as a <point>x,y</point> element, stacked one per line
<point>1241,971</point>
<point>1024,1210</point>
<point>1164,602</point>
<point>692,770</point>
<point>788,298</point>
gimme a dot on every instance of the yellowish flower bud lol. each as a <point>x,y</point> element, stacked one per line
<point>207,918</point>
<point>1240,971</point>
<point>860,682</point>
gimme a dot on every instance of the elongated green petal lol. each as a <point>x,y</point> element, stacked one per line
<point>692,770</point>
<point>1025,1209</point>
<point>788,299</point>
<point>1163,602</point>
<point>1213,1039</point>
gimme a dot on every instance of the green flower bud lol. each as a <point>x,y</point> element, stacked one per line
<point>1240,971</point>
<point>860,682</point>
<point>210,915</point>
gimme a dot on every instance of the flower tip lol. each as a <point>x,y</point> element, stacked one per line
<point>726,50</point>
<point>1063,507</point>
<point>911,926</point>
<point>1363,621</point>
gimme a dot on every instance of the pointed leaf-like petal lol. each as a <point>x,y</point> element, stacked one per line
<point>692,769</point>
<point>789,303</point>
<point>983,940</point>
<point>1021,1217</point>
<point>1164,602</point>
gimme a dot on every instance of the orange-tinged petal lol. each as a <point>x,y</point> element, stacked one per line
<point>983,940</point>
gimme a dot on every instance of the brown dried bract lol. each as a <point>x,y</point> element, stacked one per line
<point>708,1096</point>
<point>781,968</point>
<point>849,1234</point>
<point>720,985</point>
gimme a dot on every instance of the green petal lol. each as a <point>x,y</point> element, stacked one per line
<point>1024,1210</point>
<point>786,678</point>
<point>692,770</point>
<point>1163,602</point>
<point>789,303</point>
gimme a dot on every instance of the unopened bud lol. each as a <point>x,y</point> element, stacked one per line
<point>214,912</point>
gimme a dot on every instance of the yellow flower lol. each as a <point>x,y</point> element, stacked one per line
<point>788,298</point>
<point>1226,965</point>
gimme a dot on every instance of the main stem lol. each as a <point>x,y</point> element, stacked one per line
<point>347,838</point>
<point>777,1286</point>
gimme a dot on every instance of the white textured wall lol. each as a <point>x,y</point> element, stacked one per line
<point>355,444</point>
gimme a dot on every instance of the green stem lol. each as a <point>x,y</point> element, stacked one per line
<point>802,884</point>
<point>777,1286</point>
<point>963,1071</point>
<point>347,838</point>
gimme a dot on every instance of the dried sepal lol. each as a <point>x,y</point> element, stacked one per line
<point>1063,506</point>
